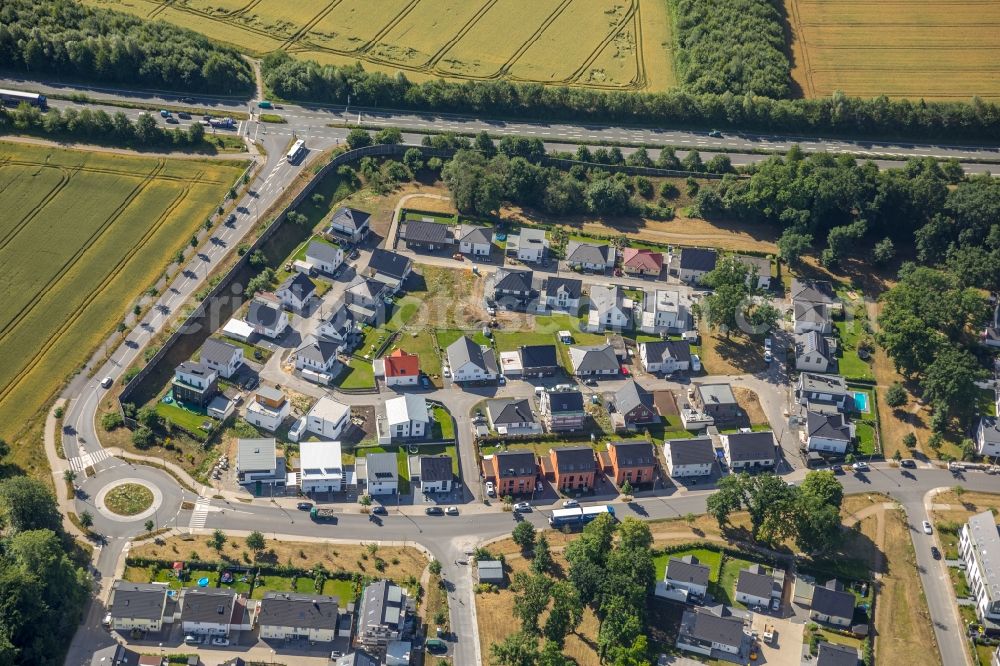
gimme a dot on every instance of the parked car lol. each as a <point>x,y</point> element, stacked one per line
<point>861,467</point>
<point>490,489</point>
<point>379,510</point>
<point>172,120</point>
<point>927,528</point>
<point>434,511</point>
<point>522,507</point>
<point>220,641</point>
<point>695,363</point>
<point>452,510</point>
<point>106,622</point>
<point>590,381</point>
<point>775,603</point>
<point>909,463</point>
<point>304,506</point>
<point>191,639</point>
<point>106,382</point>
<point>184,115</point>
<point>768,356</point>
<point>164,113</point>
<point>570,503</point>
<point>837,469</point>
<point>767,344</point>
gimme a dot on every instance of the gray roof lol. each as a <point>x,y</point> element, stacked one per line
<point>465,350</point>
<point>751,446</point>
<point>512,280</point>
<point>831,654</point>
<point>571,286</point>
<point>631,396</point>
<point>574,458</point>
<point>595,357</point>
<point>114,655</point>
<point>197,369</point>
<point>664,350</point>
<point>814,383</point>
<point>986,549</point>
<point>256,454</point>
<point>634,454</point>
<point>716,394</point>
<point>816,313</point>
<point>539,356</point>
<point>490,570</point>
<point>288,609</point>
<point>435,468</point>
<point>350,218</point>
<point>829,600</point>
<point>217,351</point>
<point>762,264</point>
<point>606,297</point>
<point>504,411</point>
<point>697,451</point>
<point>586,253</point>
<point>137,600</point>
<point>812,291</point>
<point>358,658</point>
<point>755,583</point>
<point>810,343</point>
<point>532,235</point>
<point>427,232</point>
<point>521,463</point>
<point>365,288</point>
<point>382,604</point>
<point>299,284</point>
<point>270,393</point>
<point>317,349</point>
<point>704,625</point>
<point>208,604</point>
<point>381,467</point>
<point>698,259</point>
<point>565,401</point>
<point>687,569</point>
<point>468,233</point>
<point>263,313</point>
<point>990,427</point>
<point>388,263</point>
<point>830,426</point>
<point>322,251</point>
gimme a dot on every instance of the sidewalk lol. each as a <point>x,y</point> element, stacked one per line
<point>59,465</point>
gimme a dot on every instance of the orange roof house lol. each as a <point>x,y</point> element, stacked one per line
<point>641,261</point>
<point>401,368</point>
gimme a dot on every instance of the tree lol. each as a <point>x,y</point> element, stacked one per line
<point>532,593</point>
<point>149,525</point>
<point>26,504</point>
<point>608,196</point>
<point>634,534</point>
<point>621,625</point>
<point>727,499</point>
<point>358,138</point>
<point>218,540</point>
<point>542,560</point>
<point>897,456</point>
<point>841,239</point>
<point>626,488</point>
<point>636,654</point>
<point>389,135</point>
<point>474,186</point>
<point>143,437</point>
<point>524,535</point>
<point>518,649</point>
<point>895,395</point>
<point>950,381</point>
<point>87,520</point>
<point>149,417</point>
<point>771,504</point>
<point>969,451</point>
<point>255,542</point>
<point>413,158</point>
<point>565,615</point>
<point>196,133</point>
<point>484,144</point>
<point>884,251</point>
<point>69,476</point>
<point>552,655</point>
<point>434,567</point>
<point>909,440</point>
<point>817,517</point>
<point>146,129</point>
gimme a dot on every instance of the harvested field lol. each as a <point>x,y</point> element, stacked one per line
<point>607,44</point>
<point>82,235</point>
<point>930,49</point>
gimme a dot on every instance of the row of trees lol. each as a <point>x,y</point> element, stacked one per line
<point>735,46</point>
<point>68,39</point>
<point>308,81</point>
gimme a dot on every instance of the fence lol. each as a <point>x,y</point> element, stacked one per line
<point>563,163</point>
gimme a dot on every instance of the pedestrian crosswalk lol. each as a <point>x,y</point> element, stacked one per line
<point>200,513</point>
<point>80,463</point>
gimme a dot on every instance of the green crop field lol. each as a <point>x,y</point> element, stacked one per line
<point>81,236</point>
<point>608,44</point>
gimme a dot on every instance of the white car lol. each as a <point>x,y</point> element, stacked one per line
<point>107,382</point>
<point>768,356</point>
<point>570,504</point>
<point>861,467</point>
<point>447,372</point>
<point>927,528</point>
<point>522,507</point>
<point>695,363</point>
<point>490,489</point>
<point>767,344</point>
<point>106,622</point>
<point>220,641</point>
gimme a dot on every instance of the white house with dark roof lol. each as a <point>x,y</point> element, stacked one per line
<point>987,437</point>
<point>750,450</point>
<point>382,616</point>
<point>338,325</point>
<point>812,353</point>
<point>194,383</point>
<point>470,361</point>
<point>590,256</point>
<point>609,308</point>
<point>435,474</point>
<point>832,604</point>
<point>828,433</point>
<point>512,289</point>
<point>349,223</point>
<point>689,457</point>
<point>812,291</point>
<point>407,416</point>
<point>138,606</point>
<point>763,267</point>
<point>426,235</point>
<point>823,393</point>
<point>512,416</point>
<point>321,467</point>
<point>979,548</point>
<point>808,317</point>
<point>381,474</point>
<point>290,615</point>
<point>685,577</point>
<point>222,357</point>
<point>209,610</point>
<point>562,411</point>
<point>324,257</point>
<point>528,245</point>
<point>695,263</point>
<point>389,268</point>
<point>328,418</point>
<point>296,292</point>
<point>706,630</point>
<point>266,316</point>
<point>474,240</point>
<point>666,356</point>
<point>539,360</point>
<point>663,311</point>
<point>268,408</point>
<point>594,360</point>
<point>257,460</point>
<point>561,294</point>
<point>317,358</point>
<point>756,587</point>
<point>833,654</point>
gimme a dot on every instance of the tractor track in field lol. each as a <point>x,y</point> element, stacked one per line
<point>65,176</point>
<point>459,34</point>
<point>310,24</point>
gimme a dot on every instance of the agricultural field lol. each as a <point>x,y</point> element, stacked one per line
<point>82,235</point>
<point>605,44</point>
<point>931,49</point>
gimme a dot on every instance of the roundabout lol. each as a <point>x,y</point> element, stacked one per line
<point>128,500</point>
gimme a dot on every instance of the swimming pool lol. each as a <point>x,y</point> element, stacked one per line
<point>861,402</point>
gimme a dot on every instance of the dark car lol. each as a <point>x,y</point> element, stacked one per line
<point>172,120</point>
<point>935,553</point>
<point>184,115</point>
<point>837,469</point>
<point>304,506</point>
<point>379,510</point>
<point>715,134</point>
<point>908,463</point>
<point>434,511</point>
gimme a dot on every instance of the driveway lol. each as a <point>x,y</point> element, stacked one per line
<point>786,649</point>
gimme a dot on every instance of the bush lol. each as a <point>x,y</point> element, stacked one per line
<point>111,421</point>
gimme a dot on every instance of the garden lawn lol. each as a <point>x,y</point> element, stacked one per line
<point>446,337</point>
<point>514,340</point>
<point>358,375</point>
<point>866,438</point>
<point>710,558</point>
<point>726,589</point>
<point>849,364</point>
<point>444,425</point>
<point>421,343</point>
<point>184,418</point>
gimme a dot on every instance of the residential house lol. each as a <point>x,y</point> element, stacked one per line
<point>689,457</point>
<point>695,263</point>
<point>979,548</point>
<point>539,360</point>
<point>407,417</point>
<point>562,411</point>
<point>194,383</point>
<point>595,360</point>
<point>750,450</point>
<point>239,330</point>
<point>589,256</point>
<point>257,461</point>
<point>475,240</point>
<point>289,616</point>
<point>561,294</point>
<point>812,353</point>
<point>823,393</point>
<point>268,408</point>
<point>383,615</point>
<point>430,236</point>
<point>349,223</point>
<point>828,433</point>
<point>511,290</point>
<point>357,658</point>
<point>137,606</point>
<point>382,473</point>
<point>266,316</point>
<point>574,467</point>
<point>512,416</point>
<point>389,268</point>
<point>763,267</point>
<point>317,357</point>
<point>718,402</point>
<point>400,368</point>
<point>832,604</point>
<point>471,362</point>
<point>296,292</point>
<point>756,587</point>
<point>666,356</point>
<point>222,357</point>
<point>634,462</point>
<point>642,262</point>
<point>812,291</point>
<point>490,572</point>
<point>609,309</point>
<point>338,326</point>
<point>514,472</point>
<point>808,317</point>
<point>988,437</point>
<point>321,467</point>
<point>324,257</point>
<point>436,475</point>
<point>528,245</point>
<point>116,654</point>
<point>833,654</point>
<point>704,630</point>
<point>510,364</point>
<point>634,406</point>
<point>208,610</point>
<point>664,311</point>
<point>991,331</point>
<point>397,653</point>
<point>684,579</point>
<point>365,299</point>
<point>328,418</point>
